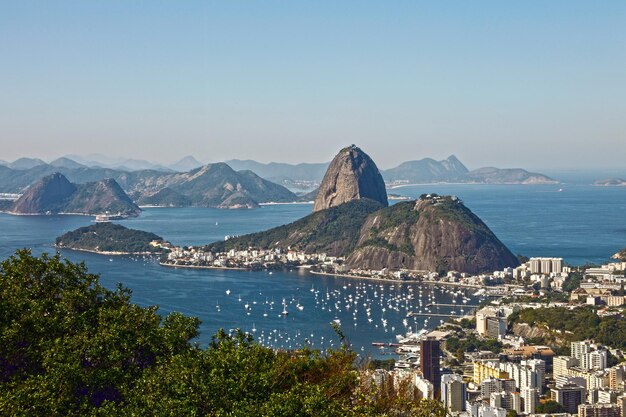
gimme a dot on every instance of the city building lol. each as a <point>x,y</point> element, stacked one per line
<point>495,327</point>
<point>430,353</point>
<point>570,396</point>
<point>453,392</point>
<point>599,410</point>
<point>425,388</point>
<point>562,364</point>
<point>491,385</point>
<point>531,399</point>
<point>484,370</point>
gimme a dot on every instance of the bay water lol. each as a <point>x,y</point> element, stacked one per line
<point>581,223</point>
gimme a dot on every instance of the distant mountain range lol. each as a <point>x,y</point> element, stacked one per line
<point>239,183</point>
<point>123,164</point>
<point>423,171</point>
<point>304,176</point>
<point>212,185</point>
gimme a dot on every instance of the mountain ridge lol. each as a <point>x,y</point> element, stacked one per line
<point>55,194</point>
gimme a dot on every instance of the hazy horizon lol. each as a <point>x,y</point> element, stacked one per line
<point>534,85</point>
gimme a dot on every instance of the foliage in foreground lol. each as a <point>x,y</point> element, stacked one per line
<point>72,347</point>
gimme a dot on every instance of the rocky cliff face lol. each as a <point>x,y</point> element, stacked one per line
<point>351,175</point>
<point>55,194</point>
<point>99,197</point>
<point>48,194</point>
<point>431,234</point>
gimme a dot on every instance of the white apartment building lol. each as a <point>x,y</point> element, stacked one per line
<point>453,392</point>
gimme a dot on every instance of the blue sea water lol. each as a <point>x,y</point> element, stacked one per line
<point>580,223</point>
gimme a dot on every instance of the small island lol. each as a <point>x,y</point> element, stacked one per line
<point>112,239</point>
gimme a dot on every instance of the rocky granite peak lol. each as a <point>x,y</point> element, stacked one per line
<point>56,194</point>
<point>351,175</point>
<point>48,194</point>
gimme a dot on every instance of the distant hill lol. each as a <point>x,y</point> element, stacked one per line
<point>250,186</point>
<point>109,237</point>
<point>610,182</point>
<point>490,175</point>
<point>186,164</point>
<point>213,185</point>
<point>55,194</point>
<point>66,163</point>
<point>25,163</point>
<point>426,170</point>
<point>123,164</point>
<point>423,171</point>
<point>303,176</point>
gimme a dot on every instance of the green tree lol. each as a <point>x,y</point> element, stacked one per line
<point>549,407</point>
<point>70,347</point>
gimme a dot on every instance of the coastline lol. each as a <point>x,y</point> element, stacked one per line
<point>393,187</point>
<point>271,203</point>
<point>204,267</point>
<point>308,270</point>
<point>398,281</point>
<point>13,213</point>
<point>107,253</point>
<point>393,281</point>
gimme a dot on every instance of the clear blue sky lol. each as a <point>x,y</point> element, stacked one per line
<point>505,83</point>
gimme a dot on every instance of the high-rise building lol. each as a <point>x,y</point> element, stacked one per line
<point>484,370</point>
<point>453,392</point>
<point>599,410</point>
<point>430,352</point>
<point>424,387</point>
<point>621,401</point>
<point>491,385</point>
<point>527,374</point>
<point>608,396</point>
<point>495,327</point>
<point>570,396</point>
<point>560,365</point>
<point>535,265</point>
<point>531,399</point>
<point>546,265</point>
<point>580,348</point>
<point>596,359</point>
<point>616,377</point>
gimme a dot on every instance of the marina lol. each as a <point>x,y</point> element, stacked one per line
<point>313,302</point>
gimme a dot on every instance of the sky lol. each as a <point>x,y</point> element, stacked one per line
<point>533,84</point>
